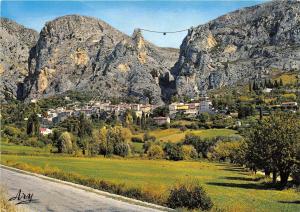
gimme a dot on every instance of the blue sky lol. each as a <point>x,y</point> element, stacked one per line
<point>126,15</point>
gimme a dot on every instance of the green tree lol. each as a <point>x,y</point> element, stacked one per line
<point>280,82</point>
<point>143,121</point>
<point>229,150</point>
<point>160,111</point>
<point>155,152</point>
<point>201,145</point>
<point>276,84</point>
<point>33,125</point>
<point>203,117</point>
<point>245,110</point>
<point>174,151</point>
<point>128,118</point>
<point>189,152</point>
<point>272,145</point>
<point>84,133</point>
<point>65,143</point>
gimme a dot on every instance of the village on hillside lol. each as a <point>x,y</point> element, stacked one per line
<point>107,109</point>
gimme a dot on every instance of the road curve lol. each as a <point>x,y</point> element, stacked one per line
<point>55,196</point>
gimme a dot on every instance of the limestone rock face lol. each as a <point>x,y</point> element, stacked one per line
<point>16,42</point>
<point>242,45</point>
<point>82,53</point>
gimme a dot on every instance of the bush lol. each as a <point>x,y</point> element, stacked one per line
<point>173,151</point>
<point>229,150</point>
<point>189,195</point>
<point>155,152</point>
<point>189,152</point>
<point>202,146</point>
<point>203,117</point>
<point>148,144</point>
<point>122,149</point>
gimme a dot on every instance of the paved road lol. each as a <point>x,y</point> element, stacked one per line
<point>53,196</point>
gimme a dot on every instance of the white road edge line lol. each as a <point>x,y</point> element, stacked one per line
<point>89,189</point>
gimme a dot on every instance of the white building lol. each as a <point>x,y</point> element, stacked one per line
<point>205,105</point>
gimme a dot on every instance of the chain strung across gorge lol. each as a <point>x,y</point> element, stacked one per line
<point>163,32</point>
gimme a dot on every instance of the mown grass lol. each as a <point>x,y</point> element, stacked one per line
<point>183,122</point>
<point>230,187</point>
<point>9,148</point>
<point>176,135</point>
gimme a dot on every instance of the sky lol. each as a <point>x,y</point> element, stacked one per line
<point>127,15</point>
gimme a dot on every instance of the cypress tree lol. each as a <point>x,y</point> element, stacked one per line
<point>280,83</point>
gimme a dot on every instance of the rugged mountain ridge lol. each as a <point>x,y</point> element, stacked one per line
<point>85,54</point>
<point>239,46</point>
<point>82,53</point>
<point>16,42</point>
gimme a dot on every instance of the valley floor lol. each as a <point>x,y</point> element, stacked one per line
<point>231,188</point>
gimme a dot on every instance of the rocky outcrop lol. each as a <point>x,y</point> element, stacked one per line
<point>83,53</point>
<point>242,45</point>
<point>80,53</point>
<point>16,42</point>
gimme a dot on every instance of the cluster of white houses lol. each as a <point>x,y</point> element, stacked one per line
<point>204,105</point>
<point>59,114</point>
<point>192,109</point>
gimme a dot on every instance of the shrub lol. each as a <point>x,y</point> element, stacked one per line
<point>229,150</point>
<point>12,131</point>
<point>155,152</point>
<point>202,146</point>
<point>203,117</point>
<point>189,152</point>
<point>122,149</point>
<point>148,144</point>
<point>173,151</point>
<point>189,195</point>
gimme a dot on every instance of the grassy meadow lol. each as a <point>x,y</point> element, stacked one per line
<point>8,148</point>
<point>176,135</point>
<point>230,187</point>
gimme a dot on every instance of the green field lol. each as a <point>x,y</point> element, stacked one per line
<point>176,135</point>
<point>230,187</point>
<point>7,148</point>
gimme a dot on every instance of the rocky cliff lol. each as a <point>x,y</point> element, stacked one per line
<point>16,42</point>
<point>83,53</point>
<point>86,54</point>
<point>242,45</point>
